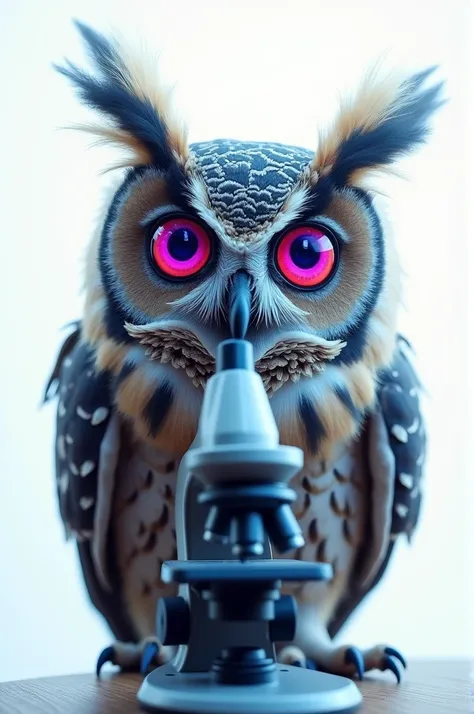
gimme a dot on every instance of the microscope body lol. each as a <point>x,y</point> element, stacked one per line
<point>233,505</point>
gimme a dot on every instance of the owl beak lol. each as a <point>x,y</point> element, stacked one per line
<point>240,299</point>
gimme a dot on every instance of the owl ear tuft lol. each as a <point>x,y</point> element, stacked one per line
<point>135,108</point>
<point>386,119</point>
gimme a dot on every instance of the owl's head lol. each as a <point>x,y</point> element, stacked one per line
<point>184,218</point>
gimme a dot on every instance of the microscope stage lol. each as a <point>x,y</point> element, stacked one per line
<point>221,571</point>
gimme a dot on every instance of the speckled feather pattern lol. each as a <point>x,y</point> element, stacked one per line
<point>83,414</point>
<point>247,182</point>
<point>399,398</point>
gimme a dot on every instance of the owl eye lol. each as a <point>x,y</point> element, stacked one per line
<point>307,257</point>
<point>180,248</point>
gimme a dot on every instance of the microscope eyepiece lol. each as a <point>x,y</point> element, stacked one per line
<point>234,354</point>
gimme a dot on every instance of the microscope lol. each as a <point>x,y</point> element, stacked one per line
<point>233,506</point>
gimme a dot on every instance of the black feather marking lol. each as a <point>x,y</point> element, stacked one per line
<point>356,340</point>
<point>321,554</point>
<point>344,396</point>
<point>103,55</point>
<point>313,531</point>
<point>148,483</point>
<point>162,521</point>
<point>158,407</point>
<point>127,369</point>
<point>404,128</point>
<point>318,199</point>
<point>150,543</point>
<point>312,424</point>
<point>111,93</point>
<point>114,319</point>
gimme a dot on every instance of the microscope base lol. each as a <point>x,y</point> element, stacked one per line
<point>297,691</point>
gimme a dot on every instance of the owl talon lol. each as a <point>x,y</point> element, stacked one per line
<point>391,651</point>
<point>149,655</point>
<point>355,657</point>
<point>107,655</point>
<point>391,663</point>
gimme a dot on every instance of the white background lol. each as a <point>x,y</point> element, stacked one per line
<point>251,70</point>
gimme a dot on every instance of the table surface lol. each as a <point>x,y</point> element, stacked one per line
<point>428,687</point>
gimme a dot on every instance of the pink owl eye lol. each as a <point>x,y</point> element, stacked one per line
<point>306,257</point>
<point>180,248</point>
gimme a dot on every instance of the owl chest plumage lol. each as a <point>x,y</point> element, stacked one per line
<point>330,507</point>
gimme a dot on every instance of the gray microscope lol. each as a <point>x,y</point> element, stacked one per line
<point>228,615</point>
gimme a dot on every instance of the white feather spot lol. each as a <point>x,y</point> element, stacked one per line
<point>86,502</point>
<point>61,444</point>
<point>63,482</point>
<point>394,373</point>
<point>414,427</point>
<point>99,416</point>
<point>61,409</point>
<point>398,388</point>
<point>415,492</point>
<point>82,413</point>
<point>69,439</point>
<point>412,392</point>
<point>420,459</point>
<point>87,468</point>
<point>67,362</point>
<point>90,372</point>
<point>400,433</point>
<point>402,510</point>
<point>406,480</point>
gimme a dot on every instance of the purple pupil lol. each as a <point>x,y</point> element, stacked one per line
<point>304,251</point>
<point>182,244</point>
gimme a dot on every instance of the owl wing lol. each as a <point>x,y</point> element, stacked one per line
<point>395,444</point>
<point>87,452</point>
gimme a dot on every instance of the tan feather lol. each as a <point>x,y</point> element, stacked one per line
<point>379,95</point>
<point>286,360</point>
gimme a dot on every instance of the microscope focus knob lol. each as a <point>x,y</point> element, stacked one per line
<point>283,627</point>
<point>173,621</point>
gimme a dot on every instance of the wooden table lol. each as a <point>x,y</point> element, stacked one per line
<point>429,687</point>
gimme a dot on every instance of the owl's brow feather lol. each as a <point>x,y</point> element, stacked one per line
<point>288,359</point>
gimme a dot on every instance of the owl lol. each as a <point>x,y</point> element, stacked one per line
<point>179,221</point>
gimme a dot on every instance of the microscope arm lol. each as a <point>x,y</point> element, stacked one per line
<point>206,637</point>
